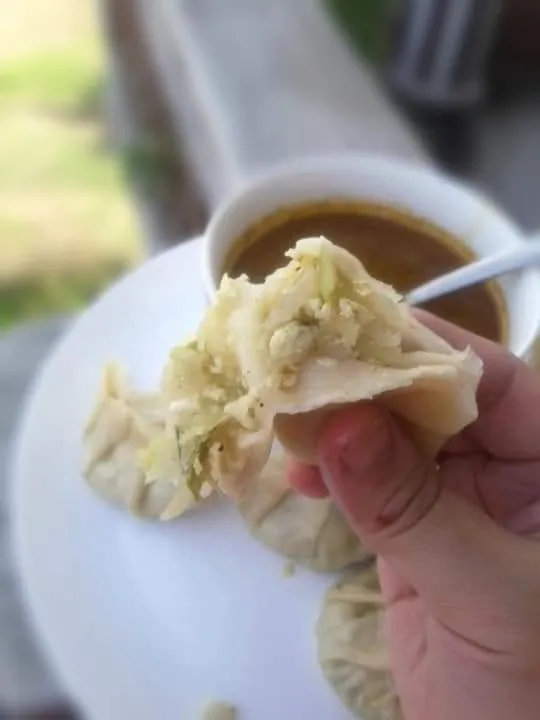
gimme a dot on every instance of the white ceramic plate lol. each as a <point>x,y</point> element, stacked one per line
<point>145,621</point>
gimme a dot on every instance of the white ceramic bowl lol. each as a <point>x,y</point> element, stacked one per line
<point>452,205</point>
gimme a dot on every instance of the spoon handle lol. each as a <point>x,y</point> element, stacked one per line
<point>477,272</point>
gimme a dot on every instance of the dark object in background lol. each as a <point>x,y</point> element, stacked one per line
<point>518,37</point>
<point>445,53</point>
<point>451,136</point>
<point>437,69</point>
<point>446,61</point>
<point>514,64</point>
<point>439,52</point>
<point>432,55</point>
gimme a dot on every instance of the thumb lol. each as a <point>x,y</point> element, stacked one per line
<point>447,549</point>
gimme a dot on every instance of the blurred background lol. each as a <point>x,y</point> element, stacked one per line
<point>123,123</point>
<point>67,224</point>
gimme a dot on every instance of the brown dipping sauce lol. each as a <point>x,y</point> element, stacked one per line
<point>395,247</point>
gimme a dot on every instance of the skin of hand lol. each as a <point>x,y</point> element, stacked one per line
<point>457,541</point>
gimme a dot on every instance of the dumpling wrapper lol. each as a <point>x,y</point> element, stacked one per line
<point>339,336</point>
<point>351,647</point>
<point>312,532</point>
<point>120,427</point>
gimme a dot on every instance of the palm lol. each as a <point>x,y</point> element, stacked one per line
<point>431,659</point>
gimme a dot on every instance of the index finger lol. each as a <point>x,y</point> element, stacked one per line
<point>508,424</point>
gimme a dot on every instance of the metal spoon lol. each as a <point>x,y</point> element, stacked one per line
<point>477,272</point>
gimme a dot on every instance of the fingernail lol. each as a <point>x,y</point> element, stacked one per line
<point>354,442</point>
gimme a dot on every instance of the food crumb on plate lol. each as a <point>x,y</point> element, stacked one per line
<point>219,711</point>
<point>289,568</point>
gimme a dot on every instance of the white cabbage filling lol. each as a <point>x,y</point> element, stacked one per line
<point>312,309</point>
<point>211,415</point>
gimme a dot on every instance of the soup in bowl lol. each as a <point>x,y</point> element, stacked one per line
<point>394,246</point>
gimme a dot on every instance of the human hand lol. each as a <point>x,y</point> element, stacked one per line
<point>458,558</point>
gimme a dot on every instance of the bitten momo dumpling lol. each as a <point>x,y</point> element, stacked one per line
<point>351,649</point>
<point>272,358</point>
<point>121,426</point>
<point>316,334</point>
<point>311,532</point>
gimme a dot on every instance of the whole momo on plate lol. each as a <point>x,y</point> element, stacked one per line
<point>120,427</point>
<point>312,532</point>
<point>351,648</point>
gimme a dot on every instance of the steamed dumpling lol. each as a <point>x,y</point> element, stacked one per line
<point>318,333</point>
<point>272,358</point>
<point>351,649</point>
<point>121,426</point>
<point>312,532</point>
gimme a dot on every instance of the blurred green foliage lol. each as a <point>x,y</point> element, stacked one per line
<point>52,79</point>
<point>148,164</point>
<point>67,227</point>
<point>53,294</point>
<point>366,24</point>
